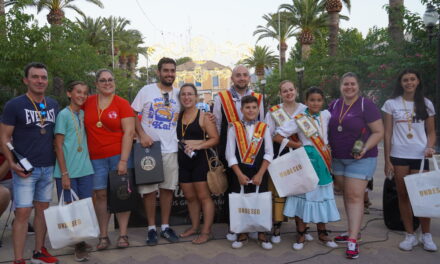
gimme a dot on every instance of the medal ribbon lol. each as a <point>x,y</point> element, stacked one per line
<point>42,120</point>
<point>248,152</point>
<point>409,118</point>
<point>341,116</point>
<point>99,109</point>
<point>78,130</point>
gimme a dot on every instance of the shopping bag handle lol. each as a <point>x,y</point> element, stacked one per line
<point>73,197</point>
<point>283,145</point>
<point>257,189</point>
<point>434,161</point>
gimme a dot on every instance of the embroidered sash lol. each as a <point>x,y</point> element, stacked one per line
<point>316,139</point>
<point>280,116</point>
<point>249,150</point>
<point>229,105</point>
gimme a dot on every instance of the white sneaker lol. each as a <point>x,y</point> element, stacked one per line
<point>266,245</point>
<point>428,244</point>
<point>331,244</point>
<point>275,239</point>
<point>231,236</point>
<point>308,237</point>
<point>298,246</point>
<point>239,244</point>
<point>409,242</point>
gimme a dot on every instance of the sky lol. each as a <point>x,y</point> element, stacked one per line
<point>215,30</point>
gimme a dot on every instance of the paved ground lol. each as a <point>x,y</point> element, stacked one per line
<point>379,245</point>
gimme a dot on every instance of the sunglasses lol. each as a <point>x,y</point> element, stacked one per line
<point>106,80</point>
<point>43,110</point>
<point>166,97</point>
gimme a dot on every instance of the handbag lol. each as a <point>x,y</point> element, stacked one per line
<point>424,191</point>
<point>250,212</point>
<point>122,194</point>
<point>68,224</point>
<point>216,176</point>
<point>293,173</point>
<point>148,165</point>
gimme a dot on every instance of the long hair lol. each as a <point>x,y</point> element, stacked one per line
<point>182,109</point>
<point>419,99</point>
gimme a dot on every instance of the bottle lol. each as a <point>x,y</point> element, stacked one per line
<point>358,144</point>
<point>22,161</point>
<point>182,147</point>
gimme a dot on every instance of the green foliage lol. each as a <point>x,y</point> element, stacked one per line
<point>183,60</point>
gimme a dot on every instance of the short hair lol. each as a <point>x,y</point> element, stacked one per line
<point>75,83</point>
<point>314,90</point>
<point>37,65</point>
<point>165,60</point>
<point>350,74</point>
<point>248,99</point>
<point>101,71</point>
<point>284,82</point>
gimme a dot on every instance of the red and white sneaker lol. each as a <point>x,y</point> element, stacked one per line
<point>343,238</point>
<point>352,251</point>
<point>43,257</point>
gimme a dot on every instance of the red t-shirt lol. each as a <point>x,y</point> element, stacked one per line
<point>9,175</point>
<point>105,141</point>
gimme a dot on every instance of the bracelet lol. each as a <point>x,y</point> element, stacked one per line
<point>65,173</point>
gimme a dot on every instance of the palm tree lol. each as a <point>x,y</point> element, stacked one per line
<point>283,30</point>
<point>56,7</point>
<point>395,21</point>
<point>309,17</point>
<point>118,24</point>
<point>93,30</point>
<point>333,8</point>
<point>2,8</point>
<point>262,58</point>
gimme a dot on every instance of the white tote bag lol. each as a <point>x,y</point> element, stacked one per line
<point>424,191</point>
<point>293,173</point>
<point>68,224</point>
<point>250,212</point>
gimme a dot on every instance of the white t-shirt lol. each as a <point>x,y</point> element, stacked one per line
<point>401,146</point>
<point>158,121</point>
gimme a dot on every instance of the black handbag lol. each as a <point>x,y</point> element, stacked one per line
<point>390,204</point>
<point>122,194</point>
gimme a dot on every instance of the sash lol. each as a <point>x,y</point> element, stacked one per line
<point>249,150</point>
<point>280,116</point>
<point>311,131</point>
<point>229,105</point>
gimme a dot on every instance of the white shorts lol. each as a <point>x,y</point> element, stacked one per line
<point>170,174</point>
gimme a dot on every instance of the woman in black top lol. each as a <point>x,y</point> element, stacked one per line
<point>195,133</point>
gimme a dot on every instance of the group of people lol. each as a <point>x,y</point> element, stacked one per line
<point>94,135</point>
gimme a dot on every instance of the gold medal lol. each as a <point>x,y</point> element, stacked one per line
<point>409,135</point>
<point>99,124</point>
<point>339,128</point>
<point>80,149</point>
<point>42,131</point>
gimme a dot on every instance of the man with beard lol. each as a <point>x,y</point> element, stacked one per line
<point>227,107</point>
<point>159,106</point>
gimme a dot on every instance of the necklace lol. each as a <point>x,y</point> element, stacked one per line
<point>78,130</point>
<point>99,124</point>
<point>184,128</point>
<point>341,116</point>
<point>42,114</point>
<point>409,119</point>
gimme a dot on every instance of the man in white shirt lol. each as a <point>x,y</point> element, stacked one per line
<point>159,106</point>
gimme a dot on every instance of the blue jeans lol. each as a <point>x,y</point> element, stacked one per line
<point>36,187</point>
<point>102,167</point>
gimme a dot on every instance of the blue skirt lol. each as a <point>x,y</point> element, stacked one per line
<point>317,206</point>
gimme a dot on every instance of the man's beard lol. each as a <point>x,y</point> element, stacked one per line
<point>165,83</point>
<point>238,87</point>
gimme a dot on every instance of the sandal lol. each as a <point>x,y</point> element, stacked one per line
<point>123,242</point>
<point>325,239</point>
<point>189,232</point>
<point>205,238</point>
<point>104,243</point>
<point>300,239</point>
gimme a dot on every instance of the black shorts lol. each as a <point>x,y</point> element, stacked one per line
<point>192,169</point>
<point>414,164</point>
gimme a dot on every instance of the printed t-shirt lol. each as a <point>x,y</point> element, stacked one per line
<point>78,163</point>
<point>158,120</point>
<point>27,139</point>
<point>362,112</point>
<point>400,143</point>
<point>105,141</point>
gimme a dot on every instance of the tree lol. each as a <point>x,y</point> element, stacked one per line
<point>93,30</point>
<point>395,21</point>
<point>57,7</point>
<point>283,30</point>
<point>262,58</point>
<point>333,8</point>
<point>309,17</point>
<point>183,60</point>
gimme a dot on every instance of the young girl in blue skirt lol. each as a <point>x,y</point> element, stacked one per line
<point>317,206</point>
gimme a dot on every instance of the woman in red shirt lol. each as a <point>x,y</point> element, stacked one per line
<point>109,122</point>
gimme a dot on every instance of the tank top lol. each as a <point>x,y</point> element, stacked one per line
<point>193,131</point>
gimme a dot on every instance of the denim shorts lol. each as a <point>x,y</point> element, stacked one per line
<point>37,187</point>
<point>102,167</point>
<point>362,169</point>
<point>82,186</point>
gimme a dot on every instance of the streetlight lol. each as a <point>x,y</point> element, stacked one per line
<point>430,19</point>
<point>279,40</point>
<point>300,73</point>
<point>263,84</point>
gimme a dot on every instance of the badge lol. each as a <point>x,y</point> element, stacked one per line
<point>148,163</point>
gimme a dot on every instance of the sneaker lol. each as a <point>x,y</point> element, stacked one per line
<point>308,237</point>
<point>275,239</point>
<point>81,253</point>
<point>169,235</point>
<point>239,244</point>
<point>352,251</point>
<point>298,246</point>
<point>409,242</point>
<point>343,238</point>
<point>231,236</point>
<point>43,257</point>
<point>20,261</point>
<point>152,237</point>
<point>428,244</point>
<point>266,245</point>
